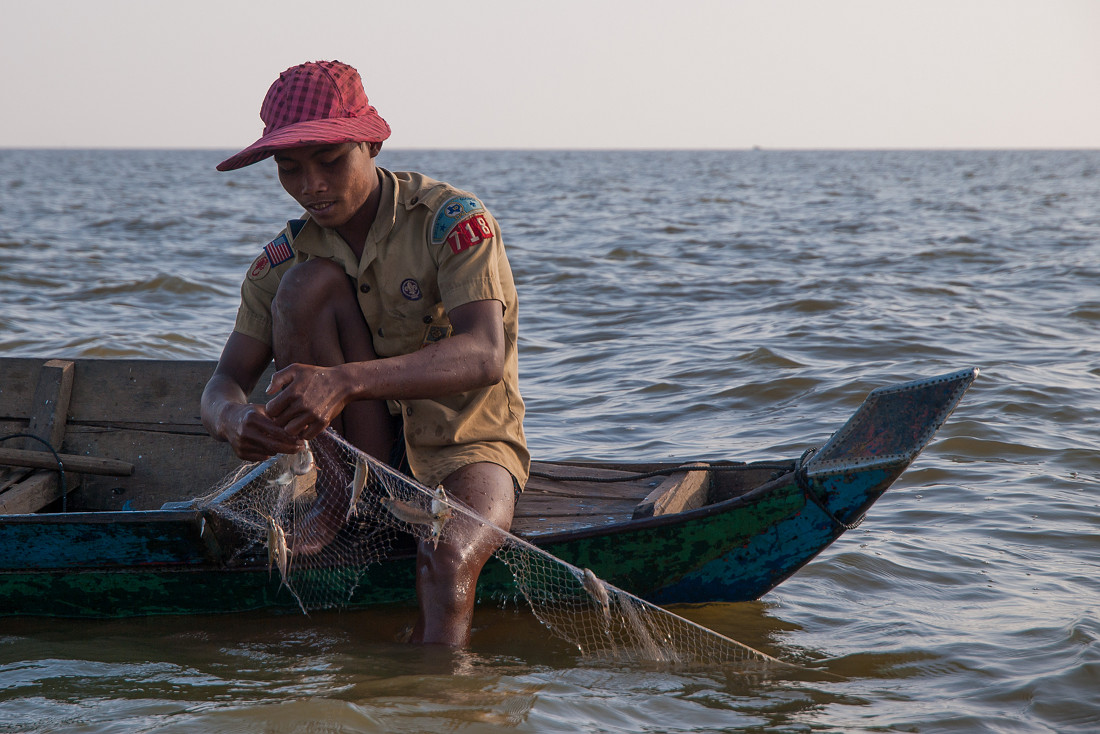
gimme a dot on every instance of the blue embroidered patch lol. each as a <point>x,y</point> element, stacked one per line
<point>411,289</point>
<point>450,214</point>
<point>278,250</point>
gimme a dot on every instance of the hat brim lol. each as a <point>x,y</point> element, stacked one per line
<point>328,131</point>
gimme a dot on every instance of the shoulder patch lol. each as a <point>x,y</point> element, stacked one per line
<point>461,223</point>
<point>453,211</point>
<point>278,250</point>
<point>260,268</point>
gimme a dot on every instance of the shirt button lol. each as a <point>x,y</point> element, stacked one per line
<point>364,288</point>
<point>380,333</point>
<point>408,411</point>
<point>428,319</point>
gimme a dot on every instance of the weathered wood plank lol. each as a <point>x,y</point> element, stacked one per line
<point>168,467</point>
<point>685,490</point>
<point>49,410</point>
<point>144,411</point>
<point>535,507</point>
<point>10,477</point>
<point>108,391</point>
<point>572,482</point>
<point>565,491</point>
<point>71,462</point>
<point>50,405</point>
<point>32,494</point>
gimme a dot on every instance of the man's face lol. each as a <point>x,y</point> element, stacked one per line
<point>331,182</point>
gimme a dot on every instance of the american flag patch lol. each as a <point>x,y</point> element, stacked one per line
<point>278,250</point>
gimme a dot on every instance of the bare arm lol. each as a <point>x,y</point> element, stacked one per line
<point>472,357</point>
<point>226,412</point>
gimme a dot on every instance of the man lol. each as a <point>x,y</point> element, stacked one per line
<point>392,294</point>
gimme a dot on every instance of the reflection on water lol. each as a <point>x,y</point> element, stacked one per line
<point>343,672</point>
<point>680,305</point>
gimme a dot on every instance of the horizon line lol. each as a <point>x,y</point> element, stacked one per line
<point>586,149</point>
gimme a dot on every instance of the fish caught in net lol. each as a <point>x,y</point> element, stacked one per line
<point>338,527</point>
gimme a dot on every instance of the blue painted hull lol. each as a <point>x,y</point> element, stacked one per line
<point>174,561</point>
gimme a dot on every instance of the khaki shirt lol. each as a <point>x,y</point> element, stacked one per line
<point>431,248</point>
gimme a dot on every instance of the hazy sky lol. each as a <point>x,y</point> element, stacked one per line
<point>565,74</point>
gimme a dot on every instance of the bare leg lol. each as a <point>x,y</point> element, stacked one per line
<point>317,321</point>
<point>446,576</point>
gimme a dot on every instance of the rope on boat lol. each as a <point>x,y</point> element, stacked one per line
<point>803,483</point>
<point>57,458</point>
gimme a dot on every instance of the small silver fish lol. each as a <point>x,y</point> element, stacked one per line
<point>278,553</point>
<point>406,512</point>
<point>285,476</point>
<point>441,513</point>
<point>301,462</point>
<point>413,515</point>
<point>594,586</point>
<point>271,543</point>
<point>358,482</point>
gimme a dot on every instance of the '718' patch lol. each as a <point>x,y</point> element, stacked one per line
<point>461,222</point>
<point>469,232</point>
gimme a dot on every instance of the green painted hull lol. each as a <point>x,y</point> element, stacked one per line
<point>149,563</point>
<point>108,564</point>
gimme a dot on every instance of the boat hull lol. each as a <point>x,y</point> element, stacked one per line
<point>151,563</point>
<point>734,548</point>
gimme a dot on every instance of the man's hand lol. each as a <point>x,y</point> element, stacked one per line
<point>228,415</point>
<point>309,398</point>
<point>253,435</point>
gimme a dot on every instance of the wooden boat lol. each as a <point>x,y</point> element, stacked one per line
<point>124,438</point>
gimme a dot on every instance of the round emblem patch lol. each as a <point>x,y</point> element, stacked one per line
<point>411,289</point>
<point>259,268</point>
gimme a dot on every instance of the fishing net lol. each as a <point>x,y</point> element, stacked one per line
<point>338,528</point>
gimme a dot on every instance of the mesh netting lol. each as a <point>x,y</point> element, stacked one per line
<point>332,520</point>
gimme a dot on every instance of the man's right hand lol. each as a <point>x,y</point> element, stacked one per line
<point>226,412</point>
<point>252,435</point>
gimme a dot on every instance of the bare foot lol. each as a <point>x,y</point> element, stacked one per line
<point>316,530</point>
<point>313,532</point>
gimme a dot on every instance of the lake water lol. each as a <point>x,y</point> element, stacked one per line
<point>673,305</point>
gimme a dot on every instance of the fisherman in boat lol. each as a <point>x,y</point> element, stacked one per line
<point>390,311</point>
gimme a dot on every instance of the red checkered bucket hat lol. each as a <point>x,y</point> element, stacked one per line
<point>319,103</point>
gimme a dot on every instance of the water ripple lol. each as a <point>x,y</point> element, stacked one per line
<point>710,304</point>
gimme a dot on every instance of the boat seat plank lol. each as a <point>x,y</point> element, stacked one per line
<point>686,490</point>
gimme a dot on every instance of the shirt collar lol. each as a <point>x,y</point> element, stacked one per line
<point>325,242</point>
